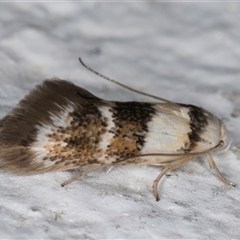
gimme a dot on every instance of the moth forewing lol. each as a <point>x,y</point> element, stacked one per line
<point>59,126</point>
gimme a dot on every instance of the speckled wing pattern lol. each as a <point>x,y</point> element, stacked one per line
<point>60,126</point>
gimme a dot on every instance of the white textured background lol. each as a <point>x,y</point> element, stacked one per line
<point>186,52</point>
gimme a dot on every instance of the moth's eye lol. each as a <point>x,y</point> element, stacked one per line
<point>221,144</point>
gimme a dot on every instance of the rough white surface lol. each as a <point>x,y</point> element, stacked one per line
<point>186,52</point>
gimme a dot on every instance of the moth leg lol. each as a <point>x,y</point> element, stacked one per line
<point>168,167</point>
<point>109,170</point>
<point>78,175</point>
<point>213,165</point>
<point>156,181</point>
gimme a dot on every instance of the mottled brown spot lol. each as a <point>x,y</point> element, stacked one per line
<point>81,137</point>
<point>93,161</point>
<point>129,118</point>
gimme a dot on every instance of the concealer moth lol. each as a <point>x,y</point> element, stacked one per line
<point>59,126</point>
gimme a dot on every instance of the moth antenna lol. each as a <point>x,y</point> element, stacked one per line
<point>214,149</point>
<point>122,85</point>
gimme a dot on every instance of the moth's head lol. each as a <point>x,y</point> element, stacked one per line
<point>208,132</point>
<point>220,141</point>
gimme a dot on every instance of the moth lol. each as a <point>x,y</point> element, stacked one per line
<point>59,126</point>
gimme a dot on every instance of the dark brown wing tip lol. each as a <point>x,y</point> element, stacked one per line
<point>19,129</point>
